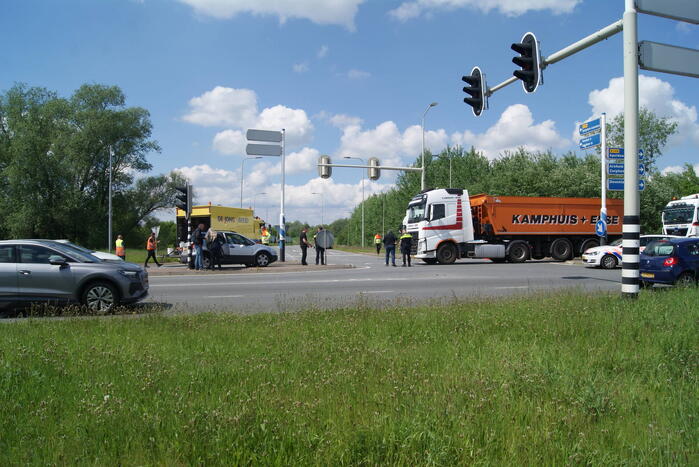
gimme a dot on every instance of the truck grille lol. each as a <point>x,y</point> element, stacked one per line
<point>413,244</point>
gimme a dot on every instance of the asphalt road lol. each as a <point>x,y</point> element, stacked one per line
<point>370,281</point>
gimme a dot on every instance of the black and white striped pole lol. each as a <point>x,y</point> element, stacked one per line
<point>632,218</point>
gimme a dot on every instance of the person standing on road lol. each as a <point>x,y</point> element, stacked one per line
<point>198,240</point>
<point>406,241</point>
<point>303,242</point>
<point>216,250</point>
<point>320,251</point>
<point>389,243</point>
<point>151,246</point>
<point>210,239</point>
<point>377,242</point>
<point>120,250</point>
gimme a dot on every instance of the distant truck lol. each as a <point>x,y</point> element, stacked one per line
<point>681,217</point>
<point>221,218</point>
<point>447,224</point>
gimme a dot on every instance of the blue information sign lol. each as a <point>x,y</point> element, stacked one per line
<point>617,184</point>
<point>590,141</point>
<point>617,168</point>
<point>589,126</point>
<point>601,228</point>
<point>618,153</point>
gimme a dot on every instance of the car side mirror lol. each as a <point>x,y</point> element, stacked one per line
<point>57,260</point>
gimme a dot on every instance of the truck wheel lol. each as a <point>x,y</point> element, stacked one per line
<point>446,254</point>
<point>518,252</point>
<point>429,260</point>
<point>261,259</point>
<point>608,262</point>
<point>587,244</point>
<point>561,249</point>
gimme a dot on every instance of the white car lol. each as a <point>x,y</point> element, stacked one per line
<point>609,256</point>
<point>100,254</point>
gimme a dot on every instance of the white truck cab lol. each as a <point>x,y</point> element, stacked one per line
<point>680,217</point>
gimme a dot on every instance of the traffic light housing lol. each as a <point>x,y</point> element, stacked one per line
<point>476,89</point>
<point>529,61</point>
<point>323,170</point>
<point>183,199</point>
<point>374,171</point>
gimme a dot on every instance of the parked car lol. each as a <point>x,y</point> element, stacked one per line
<point>239,250</point>
<point>671,261</point>
<point>609,256</point>
<point>100,254</point>
<point>45,271</point>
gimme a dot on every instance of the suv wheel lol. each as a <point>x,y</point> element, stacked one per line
<point>100,297</point>
<point>686,279</point>
<point>206,261</point>
<point>262,259</point>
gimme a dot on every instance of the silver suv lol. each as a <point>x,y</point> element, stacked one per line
<point>44,271</point>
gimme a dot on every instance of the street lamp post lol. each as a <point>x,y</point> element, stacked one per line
<point>322,207</point>
<point>433,104</point>
<point>254,198</point>
<point>109,224</point>
<point>242,176</point>
<point>363,162</point>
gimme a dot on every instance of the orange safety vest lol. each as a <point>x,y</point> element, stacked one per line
<point>151,244</point>
<point>120,251</point>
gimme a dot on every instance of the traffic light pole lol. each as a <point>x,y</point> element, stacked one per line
<point>282,226</point>
<point>592,39</point>
<point>632,220</point>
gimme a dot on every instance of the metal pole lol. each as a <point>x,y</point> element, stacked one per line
<point>109,223</point>
<point>383,214</point>
<point>422,176</point>
<point>603,163</point>
<point>450,186</point>
<point>362,209</point>
<point>631,227</point>
<point>282,226</point>
<point>242,177</point>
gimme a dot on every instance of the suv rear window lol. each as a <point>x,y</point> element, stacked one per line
<point>659,248</point>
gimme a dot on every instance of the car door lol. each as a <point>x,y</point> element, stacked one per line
<point>244,249</point>
<point>38,279</point>
<point>8,273</point>
<point>693,257</point>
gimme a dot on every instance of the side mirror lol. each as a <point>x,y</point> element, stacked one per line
<point>57,260</point>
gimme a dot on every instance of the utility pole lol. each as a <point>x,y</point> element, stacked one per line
<point>109,209</point>
<point>422,180</point>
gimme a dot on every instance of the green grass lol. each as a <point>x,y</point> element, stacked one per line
<point>367,250</point>
<point>560,380</point>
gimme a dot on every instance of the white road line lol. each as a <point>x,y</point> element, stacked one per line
<point>224,296</point>
<point>204,275</point>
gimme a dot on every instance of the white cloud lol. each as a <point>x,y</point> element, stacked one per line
<point>656,95</point>
<point>358,74</point>
<point>339,12</point>
<point>223,107</point>
<point>300,67</point>
<point>413,9</point>
<point>676,169</point>
<point>514,129</point>
<point>237,108</point>
<point>342,120</point>
<point>323,51</point>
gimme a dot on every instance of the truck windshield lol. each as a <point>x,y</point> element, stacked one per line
<point>416,212</point>
<point>678,215</point>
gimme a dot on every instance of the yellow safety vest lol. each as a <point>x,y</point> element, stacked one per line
<point>377,239</point>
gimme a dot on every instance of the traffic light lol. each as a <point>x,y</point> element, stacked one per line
<point>184,199</point>
<point>374,171</point>
<point>476,89</point>
<point>529,60</point>
<point>323,170</point>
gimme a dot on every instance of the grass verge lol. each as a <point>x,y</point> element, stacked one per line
<point>566,379</point>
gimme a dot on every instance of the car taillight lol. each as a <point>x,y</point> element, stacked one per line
<point>696,224</point>
<point>671,261</point>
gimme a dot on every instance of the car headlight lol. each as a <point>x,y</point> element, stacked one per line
<point>591,253</point>
<point>129,274</point>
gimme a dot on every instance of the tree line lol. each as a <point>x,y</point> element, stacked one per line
<point>54,166</point>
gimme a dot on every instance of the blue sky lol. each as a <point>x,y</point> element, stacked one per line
<point>344,77</point>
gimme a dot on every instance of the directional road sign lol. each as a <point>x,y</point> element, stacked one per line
<point>589,127</point>
<point>263,150</point>
<point>617,184</point>
<point>264,136</point>
<point>617,168</point>
<point>601,228</point>
<point>618,153</point>
<point>681,10</point>
<point>665,58</point>
<point>590,141</point>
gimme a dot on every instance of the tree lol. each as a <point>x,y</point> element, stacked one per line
<point>54,164</point>
<point>653,133</point>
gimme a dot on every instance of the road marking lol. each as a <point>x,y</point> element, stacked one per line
<point>224,296</point>
<point>204,275</point>
<point>376,291</point>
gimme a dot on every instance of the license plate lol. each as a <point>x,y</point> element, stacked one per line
<point>647,275</point>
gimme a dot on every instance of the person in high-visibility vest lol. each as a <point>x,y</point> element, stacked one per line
<point>377,242</point>
<point>151,245</point>
<point>120,250</point>
<point>264,237</point>
<point>406,241</point>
